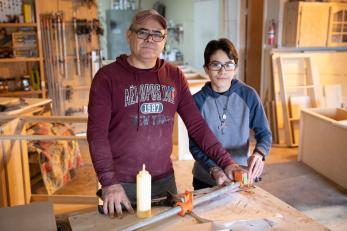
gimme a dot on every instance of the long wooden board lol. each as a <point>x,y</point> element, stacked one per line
<point>254,207</point>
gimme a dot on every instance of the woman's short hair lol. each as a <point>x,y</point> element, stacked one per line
<point>223,44</point>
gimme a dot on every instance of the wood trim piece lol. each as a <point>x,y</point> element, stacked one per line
<point>65,199</point>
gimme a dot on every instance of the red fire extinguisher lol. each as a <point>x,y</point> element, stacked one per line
<point>271,34</point>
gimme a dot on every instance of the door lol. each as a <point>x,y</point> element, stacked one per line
<point>253,50</point>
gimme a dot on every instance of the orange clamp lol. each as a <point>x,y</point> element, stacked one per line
<point>186,204</point>
<point>241,176</point>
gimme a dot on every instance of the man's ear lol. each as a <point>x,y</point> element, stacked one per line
<point>128,36</point>
<point>165,39</point>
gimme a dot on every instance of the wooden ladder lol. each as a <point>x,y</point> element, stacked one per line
<point>305,93</point>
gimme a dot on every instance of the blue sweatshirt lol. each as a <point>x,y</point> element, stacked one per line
<point>244,111</point>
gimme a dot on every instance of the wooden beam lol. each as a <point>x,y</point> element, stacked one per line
<point>40,137</point>
<point>65,199</point>
<point>67,119</point>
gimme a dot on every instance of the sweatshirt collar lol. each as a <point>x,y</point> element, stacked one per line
<point>235,84</point>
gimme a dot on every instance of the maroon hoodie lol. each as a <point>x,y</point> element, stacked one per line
<point>131,120</point>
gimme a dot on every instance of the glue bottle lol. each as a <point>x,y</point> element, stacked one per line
<point>143,193</point>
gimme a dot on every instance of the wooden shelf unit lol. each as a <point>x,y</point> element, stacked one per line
<point>39,59</point>
<point>20,59</point>
<point>20,93</point>
<point>315,24</point>
<point>18,24</point>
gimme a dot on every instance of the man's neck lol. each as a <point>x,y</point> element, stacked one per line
<point>141,64</point>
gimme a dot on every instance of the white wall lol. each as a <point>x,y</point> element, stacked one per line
<point>202,20</point>
<point>181,12</point>
<point>104,5</point>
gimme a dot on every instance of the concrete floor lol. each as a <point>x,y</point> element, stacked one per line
<point>284,177</point>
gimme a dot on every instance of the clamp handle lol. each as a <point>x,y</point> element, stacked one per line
<point>186,204</point>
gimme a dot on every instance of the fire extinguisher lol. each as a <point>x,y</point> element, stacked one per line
<point>271,34</point>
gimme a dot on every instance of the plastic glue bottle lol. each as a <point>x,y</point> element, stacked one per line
<point>143,193</point>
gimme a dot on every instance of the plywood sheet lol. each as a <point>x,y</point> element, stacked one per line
<point>313,32</point>
<point>229,207</point>
<point>333,95</point>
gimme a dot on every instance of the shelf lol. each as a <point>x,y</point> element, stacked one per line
<point>18,25</point>
<point>82,87</point>
<point>302,86</point>
<point>19,59</point>
<point>20,93</point>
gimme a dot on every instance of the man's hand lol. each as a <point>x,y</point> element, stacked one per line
<point>113,196</point>
<point>230,169</point>
<point>255,166</point>
<point>219,176</point>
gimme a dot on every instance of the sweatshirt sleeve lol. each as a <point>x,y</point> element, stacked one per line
<point>260,126</point>
<point>99,115</point>
<point>200,156</point>
<point>197,128</point>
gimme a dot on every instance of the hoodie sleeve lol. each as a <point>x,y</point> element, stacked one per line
<point>200,156</point>
<point>99,115</point>
<point>259,124</point>
<point>197,127</point>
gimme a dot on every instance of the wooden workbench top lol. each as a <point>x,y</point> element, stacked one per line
<point>255,211</point>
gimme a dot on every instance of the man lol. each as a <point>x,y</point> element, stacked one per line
<point>231,108</point>
<point>131,117</point>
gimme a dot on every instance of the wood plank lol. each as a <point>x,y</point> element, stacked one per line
<point>229,207</point>
<point>290,24</point>
<point>332,95</point>
<point>25,165</point>
<point>65,199</point>
<point>53,119</point>
<point>313,31</point>
<point>296,103</point>
<point>32,103</point>
<point>341,114</point>
<point>254,44</point>
<point>40,137</point>
<point>13,165</point>
<point>3,176</point>
<point>36,216</point>
<point>18,59</point>
<point>283,93</point>
<point>17,24</point>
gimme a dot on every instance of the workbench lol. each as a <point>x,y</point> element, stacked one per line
<point>32,106</point>
<point>251,211</point>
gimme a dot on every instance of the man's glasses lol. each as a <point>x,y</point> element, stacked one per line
<point>144,34</point>
<point>217,66</point>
